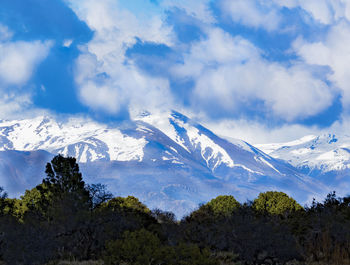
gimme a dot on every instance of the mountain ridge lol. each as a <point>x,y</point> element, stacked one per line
<point>326,152</point>
<point>167,160</point>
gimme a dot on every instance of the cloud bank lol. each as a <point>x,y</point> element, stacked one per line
<point>276,65</point>
<point>225,69</point>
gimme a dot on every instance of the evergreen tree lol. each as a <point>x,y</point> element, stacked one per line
<point>65,203</point>
<point>3,204</point>
<point>63,176</point>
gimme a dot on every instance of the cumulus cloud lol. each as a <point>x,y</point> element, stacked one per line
<point>107,79</point>
<point>198,9</point>
<point>289,93</point>
<point>324,11</point>
<point>252,13</point>
<point>18,60</point>
<point>230,73</point>
<point>217,49</point>
<point>320,10</point>
<point>111,89</point>
<point>267,14</point>
<point>333,52</point>
<point>13,104</point>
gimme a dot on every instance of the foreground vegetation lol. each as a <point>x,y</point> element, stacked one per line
<point>65,221</point>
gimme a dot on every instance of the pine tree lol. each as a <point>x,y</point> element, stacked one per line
<point>63,176</point>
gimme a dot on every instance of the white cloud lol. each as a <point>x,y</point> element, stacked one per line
<point>198,9</point>
<point>107,17</point>
<point>267,14</point>
<point>123,85</point>
<point>289,93</point>
<point>67,43</point>
<point>333,52</point>
<point>19,59</point>
<point>11,103</point>
<point>252,13</point>
<point>324,11</point>
<point>18,105</point>
<point>259,133</point>
<point>255,132</point>
<point>229,73</point>
<point>321,10</point>
<point>107,79</point>
<point>218,49</point>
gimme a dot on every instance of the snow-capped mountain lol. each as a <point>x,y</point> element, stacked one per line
<point>324,153</point>
<point>86,140</point>
<point>167,160</point>
<point>325,157</point>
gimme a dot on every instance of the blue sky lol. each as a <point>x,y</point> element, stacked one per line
<point>258,70</point>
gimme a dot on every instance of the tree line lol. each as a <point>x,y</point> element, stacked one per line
<point>65,219</point>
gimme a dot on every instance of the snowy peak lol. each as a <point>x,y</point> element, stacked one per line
<point>203,145</point>
<point>191,137</point>
<point>84,139</point>
<point>327,152</point>
<point>271,147</point>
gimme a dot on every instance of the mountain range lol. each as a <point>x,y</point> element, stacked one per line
<point>169,161</point>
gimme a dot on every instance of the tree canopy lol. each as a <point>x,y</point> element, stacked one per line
<point>224,204</point>
<point>130,202</point>
<point>65,219</point>
<point>274,202</point>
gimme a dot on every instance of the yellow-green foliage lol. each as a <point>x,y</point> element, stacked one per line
<point>274,202</point>
<point>223,205</point>
<point>129,202</point>
<point>32,199</point>
<point>12,206</point>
